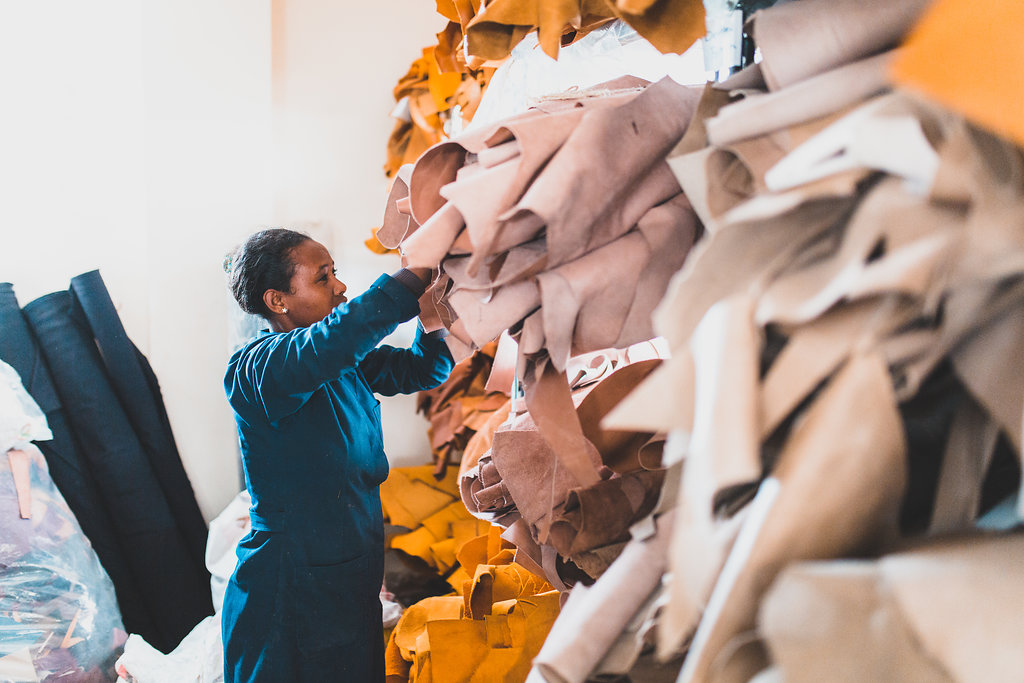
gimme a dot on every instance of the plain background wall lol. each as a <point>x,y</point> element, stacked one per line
<point>147,139</point>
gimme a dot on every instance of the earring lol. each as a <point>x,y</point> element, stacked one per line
<point>283,311</point>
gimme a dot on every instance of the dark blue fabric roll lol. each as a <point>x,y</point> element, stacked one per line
<point>174,585</point>
<point>136,386</point>
<point>18,348</point>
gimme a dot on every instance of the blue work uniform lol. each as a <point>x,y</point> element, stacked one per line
<point>303,603</point>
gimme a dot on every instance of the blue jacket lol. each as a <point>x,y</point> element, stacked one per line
<point>306,585</point>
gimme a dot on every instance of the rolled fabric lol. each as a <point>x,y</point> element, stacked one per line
<point>175,585</point>
<point>69,467</point>
<point>137,388</point>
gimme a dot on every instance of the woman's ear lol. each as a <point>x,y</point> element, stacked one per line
<point>274,301</point>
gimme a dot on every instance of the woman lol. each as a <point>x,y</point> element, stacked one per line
<point>303,603</point>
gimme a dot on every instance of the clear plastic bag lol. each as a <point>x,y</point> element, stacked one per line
<point>21,420</point>
<point>57,604</point>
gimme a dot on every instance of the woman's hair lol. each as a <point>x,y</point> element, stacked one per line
<point>262,262</point>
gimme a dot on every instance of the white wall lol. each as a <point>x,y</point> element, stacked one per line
<point>146,139</point>
<point>335,66</point>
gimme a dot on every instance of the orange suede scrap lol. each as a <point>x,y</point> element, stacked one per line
<point>408,498</point>
<point>672,26</point>
<point>966,55</point>
<point>396,667</point>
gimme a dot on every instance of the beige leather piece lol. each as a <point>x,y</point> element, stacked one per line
<point>991,364</point>
<point>965,310</point>
<point>476,199</point>
<point>662,402</point>
<point>741,660</point>
<point>903,617</point>
<point>723,452</point>
<point>699,547</point>
<point>800,41</point>
<point>969,450</point>
<point>656,187</point>
<point>427,246</point>
<point>824,94</point>
<point>486,317</point>
<point>815,349</point>
<point>861,510</point>
<point>725,446</point>
<point>734,258</point>
<point>518,263</point>
<point>893,242</point>
<point>607,278</point>
<point>931,587</point>
<point>582,182</point>
<point>504,368</point>
<point>600,300</point>
<point>833,621</point>
<point>593,617</point>
<point>886,133</point>
<point>397,225</point>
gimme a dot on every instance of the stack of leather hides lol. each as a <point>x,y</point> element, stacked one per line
<point>460,406</point>
<point>843,400</point>
<point>425,97</point>
<point>429,525</point>
<point>113,455</point>
<point>844,380</point>
<point>494,29</point>
<point>490,632</point>
<point>543,224</point>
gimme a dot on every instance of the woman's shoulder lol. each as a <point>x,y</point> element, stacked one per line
<point>254,348</point>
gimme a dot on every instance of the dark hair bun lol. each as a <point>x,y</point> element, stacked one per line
<point>262,262</point>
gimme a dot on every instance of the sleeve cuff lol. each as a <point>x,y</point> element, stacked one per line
<point>410,281</point>
<point>439,334</point>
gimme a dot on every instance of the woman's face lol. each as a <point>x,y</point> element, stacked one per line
<point>315,290</point>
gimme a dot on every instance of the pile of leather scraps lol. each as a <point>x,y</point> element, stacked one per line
<point>442,79</point>
<point>497,27</point>
<point>847,373</point>
<point>544,224</point>
<point>457,71</point>
<point>562,530</point>
<point>460,406</point>
<point>490,632</point>
<point>433,523</point>
<point>422,97</point>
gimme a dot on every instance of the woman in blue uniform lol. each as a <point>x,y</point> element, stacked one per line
<point>303,602</point>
